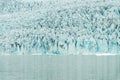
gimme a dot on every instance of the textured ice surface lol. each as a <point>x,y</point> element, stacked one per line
<point>59,27</point>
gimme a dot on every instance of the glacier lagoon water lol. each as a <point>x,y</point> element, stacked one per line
<point>58,27</point>
<point>72,67</point>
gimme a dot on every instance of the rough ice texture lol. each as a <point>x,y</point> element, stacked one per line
<point>59,27</point>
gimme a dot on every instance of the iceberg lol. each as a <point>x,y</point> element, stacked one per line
<point>56,27</point>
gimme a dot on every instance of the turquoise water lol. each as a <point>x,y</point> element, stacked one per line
<point>59,67</point>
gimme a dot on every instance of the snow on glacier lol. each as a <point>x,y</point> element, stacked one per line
<point>59,27</point>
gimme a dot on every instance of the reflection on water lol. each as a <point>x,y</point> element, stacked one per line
<point>59,67</point>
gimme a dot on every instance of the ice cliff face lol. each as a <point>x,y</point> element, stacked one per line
<point>53,27</point>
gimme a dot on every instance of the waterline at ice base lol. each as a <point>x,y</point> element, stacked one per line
<point>54,27</point>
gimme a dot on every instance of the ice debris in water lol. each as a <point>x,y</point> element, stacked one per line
<point>59,27</point>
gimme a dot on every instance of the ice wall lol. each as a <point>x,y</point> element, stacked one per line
<point>58,27</point>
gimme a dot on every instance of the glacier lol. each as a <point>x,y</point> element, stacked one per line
<point>56,27</point>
